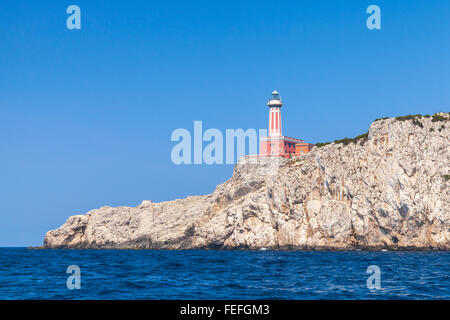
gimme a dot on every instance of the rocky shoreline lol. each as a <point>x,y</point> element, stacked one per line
<point>387,189</point>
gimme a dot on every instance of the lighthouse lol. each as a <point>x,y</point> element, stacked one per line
<point>275,144</point>
<point>275,105</point>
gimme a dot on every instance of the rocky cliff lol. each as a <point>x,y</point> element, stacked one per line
<point>387,189</point>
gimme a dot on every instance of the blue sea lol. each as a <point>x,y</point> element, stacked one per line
<point>195,274</point>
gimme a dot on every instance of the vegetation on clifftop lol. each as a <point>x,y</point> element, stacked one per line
<point>361,138</point>
<point>378,119</point>
<point>321,144</point>
<point>415,120</point>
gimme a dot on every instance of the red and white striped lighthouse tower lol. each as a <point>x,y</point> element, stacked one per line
<point>275,144</point>
<point>275,115</point>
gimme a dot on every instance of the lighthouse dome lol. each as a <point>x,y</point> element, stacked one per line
<point>275,100</point>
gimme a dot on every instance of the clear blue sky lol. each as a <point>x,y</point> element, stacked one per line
<point>86,116</point>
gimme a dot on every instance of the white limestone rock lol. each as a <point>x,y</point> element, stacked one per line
<point>391,191</point>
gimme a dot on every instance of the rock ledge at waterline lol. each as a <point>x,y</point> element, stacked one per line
<point>389,190</point>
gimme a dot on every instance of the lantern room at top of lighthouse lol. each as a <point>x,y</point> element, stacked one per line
<point>275,100</point>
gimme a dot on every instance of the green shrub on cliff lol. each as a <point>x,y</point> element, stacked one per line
<point>438,117</point>
<point>321,144</point>
<point>361,138</point>
<point>408,117</point>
